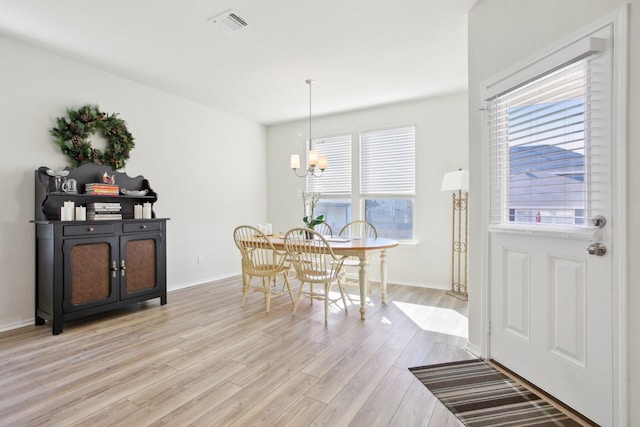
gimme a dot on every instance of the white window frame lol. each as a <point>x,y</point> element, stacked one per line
<point>380,190</point>
<point>518,76</point>
<point>549,122</point>
<point>355,197</point>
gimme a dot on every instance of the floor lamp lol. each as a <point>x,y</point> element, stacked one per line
<point>458,183</point>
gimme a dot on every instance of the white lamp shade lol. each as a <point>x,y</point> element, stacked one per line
<point>313,157</point>
<point>295,161</point>
<point>454,181</point>
<point>322,162</point>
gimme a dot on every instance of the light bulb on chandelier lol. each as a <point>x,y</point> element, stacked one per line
<point>317,163</point>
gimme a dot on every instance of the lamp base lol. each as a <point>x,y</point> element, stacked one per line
<point>458,295</point>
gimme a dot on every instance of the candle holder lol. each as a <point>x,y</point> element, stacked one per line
<point>57,179</point>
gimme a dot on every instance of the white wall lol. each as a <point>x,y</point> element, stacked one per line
<point>503,33</point>
<point>188,152</point>
<point>441,144</point>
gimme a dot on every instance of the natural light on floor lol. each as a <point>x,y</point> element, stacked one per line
<point>436,319</point>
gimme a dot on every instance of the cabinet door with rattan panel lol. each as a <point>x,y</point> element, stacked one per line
<point>89,272</point>
<point>141,259</point>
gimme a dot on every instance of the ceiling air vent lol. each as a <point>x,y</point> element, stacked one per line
<point>230,21</point>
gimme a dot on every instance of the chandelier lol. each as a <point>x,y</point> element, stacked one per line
<point>317,163</point>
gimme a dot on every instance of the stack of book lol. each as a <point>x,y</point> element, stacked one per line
<point>102,211</point>
<point>97,188</point>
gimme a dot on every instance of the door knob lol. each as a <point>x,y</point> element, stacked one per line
<point>597,249</point>
<point>598,221</point>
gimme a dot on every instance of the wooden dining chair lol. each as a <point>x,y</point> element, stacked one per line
<point>324,229</point>
<point>261,260</point>
<point>357,229</point>
<point>314,263</point>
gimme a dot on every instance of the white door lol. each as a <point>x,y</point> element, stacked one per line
<point>551,317</point>
<point>550,177</point>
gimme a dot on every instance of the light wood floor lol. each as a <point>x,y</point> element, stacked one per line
<point>203,360</point>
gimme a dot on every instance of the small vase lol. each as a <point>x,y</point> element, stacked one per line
<point>308,235</point>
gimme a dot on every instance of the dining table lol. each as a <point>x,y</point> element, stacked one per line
<point>362,248</point>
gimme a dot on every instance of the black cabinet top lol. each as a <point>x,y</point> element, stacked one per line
<point>48,201</point>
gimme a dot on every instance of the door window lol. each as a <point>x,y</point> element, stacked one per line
<point>543,135</point>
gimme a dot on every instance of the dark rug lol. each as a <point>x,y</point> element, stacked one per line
<point>480,395</point>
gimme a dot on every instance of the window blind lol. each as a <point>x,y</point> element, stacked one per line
<point>545,141</point>
<point>336,179</point>
<point>387,162</point>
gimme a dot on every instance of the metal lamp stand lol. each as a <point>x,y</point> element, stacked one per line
<point>459,246</point>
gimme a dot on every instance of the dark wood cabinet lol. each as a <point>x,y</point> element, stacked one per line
<point>87,267</point>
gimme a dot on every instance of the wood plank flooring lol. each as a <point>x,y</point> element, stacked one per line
<point>202,360</point>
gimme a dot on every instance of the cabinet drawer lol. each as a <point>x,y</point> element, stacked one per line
<point>88,229</point>
<point>136,227</point>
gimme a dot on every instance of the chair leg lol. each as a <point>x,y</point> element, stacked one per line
<point>311,292</point>
<point>245,290</point>
<point>344,301</point>
<point>297,303</point>
<point>266,281</point>
<point>288,285</point>
<point>327,290</point>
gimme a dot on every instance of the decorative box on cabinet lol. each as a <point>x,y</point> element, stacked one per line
<point>87,267</point>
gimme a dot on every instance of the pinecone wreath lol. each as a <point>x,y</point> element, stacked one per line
<point>72,135</point>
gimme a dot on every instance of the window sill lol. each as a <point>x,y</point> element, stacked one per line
<point>412,243</point>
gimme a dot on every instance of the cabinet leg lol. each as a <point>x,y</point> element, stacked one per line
<point>56,329</point>
<point>39,321</point>
<point>163,299</point>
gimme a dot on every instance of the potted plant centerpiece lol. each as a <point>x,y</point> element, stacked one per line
<point>312,222</point>
<point>309,201</point>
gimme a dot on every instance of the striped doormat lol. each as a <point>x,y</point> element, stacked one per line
<point>480,395</point>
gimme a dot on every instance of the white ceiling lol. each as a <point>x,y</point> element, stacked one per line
<point>362,53</point>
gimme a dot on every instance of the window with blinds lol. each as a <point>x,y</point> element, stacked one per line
<point>388,181</point>
<point>544,135</point>
<point>335,184</point>
<point>336,179</point>
<point>387,162</point>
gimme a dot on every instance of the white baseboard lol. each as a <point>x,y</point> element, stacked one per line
<point>17,325</point>
<point>418,285</point>
<point>178,286</point>
<point>473,349</point>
